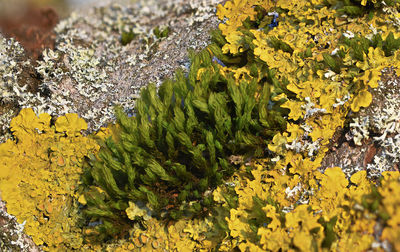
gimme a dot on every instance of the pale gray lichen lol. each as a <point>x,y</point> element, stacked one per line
<point>359,129</point>
<point>310,109</point>
<point>14,83</point>
<point>301,145</point>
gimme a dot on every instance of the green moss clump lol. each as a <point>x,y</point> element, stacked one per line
<point>127,37</point>
<point>161,33</point>
<point>175,149</point>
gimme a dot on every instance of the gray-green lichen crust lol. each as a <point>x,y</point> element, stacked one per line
<point>14,83</point>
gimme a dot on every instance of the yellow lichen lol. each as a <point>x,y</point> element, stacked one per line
<point>39,175</point>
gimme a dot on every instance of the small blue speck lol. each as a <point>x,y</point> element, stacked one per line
<point>131,114</point>
<point>215,59</point>
<point>274,22</point>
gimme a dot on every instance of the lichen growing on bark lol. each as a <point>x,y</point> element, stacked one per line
<point>39,175</point>
<point>285,200</point>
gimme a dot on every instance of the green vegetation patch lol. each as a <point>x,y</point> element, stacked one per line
<point>175,148</point>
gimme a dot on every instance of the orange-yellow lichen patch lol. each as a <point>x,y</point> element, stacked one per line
<point>236,12</point>
<point>39,175</point>
<point>302,226</point>
<point>362,99</point>
<point>71,124</point>
<point>184,235</point>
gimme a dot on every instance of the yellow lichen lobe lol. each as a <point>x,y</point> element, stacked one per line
<point>39,175</point>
